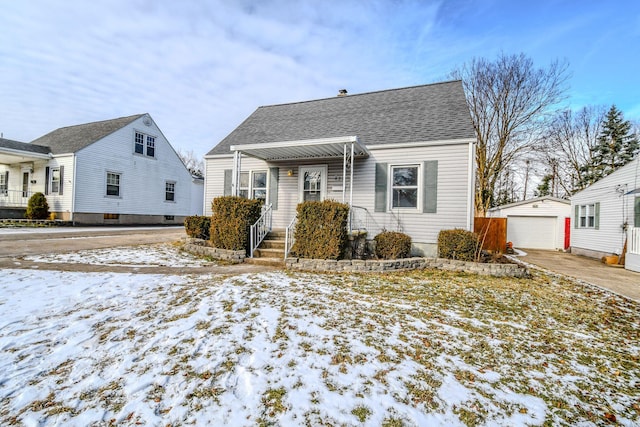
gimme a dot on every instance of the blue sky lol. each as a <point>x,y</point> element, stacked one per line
<point>201,67</point>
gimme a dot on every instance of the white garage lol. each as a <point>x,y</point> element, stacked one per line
<point>536,223</point>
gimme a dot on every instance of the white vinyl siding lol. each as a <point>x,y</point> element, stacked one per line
<point>452,188</point>
<point>143,183</point>
<point>615,209</point>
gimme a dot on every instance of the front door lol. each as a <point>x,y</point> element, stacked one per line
<point>25,183</point>
<point>313,183</point>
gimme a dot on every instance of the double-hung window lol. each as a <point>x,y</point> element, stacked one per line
<point>253,185</point>
<point>55,180</point>
<point>144,144</point>
<point>4,184</point>
<point>113,184</point>
<point>170,191</point>
<point>404,186</point>
<point>587,216</point>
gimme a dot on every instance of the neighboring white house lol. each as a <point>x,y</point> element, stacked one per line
<point>120,171</point>
<point>403,159</point>
<point>541,223</point>
<point>607,214</point>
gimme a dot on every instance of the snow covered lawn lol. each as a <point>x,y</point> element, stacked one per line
<point>160,255</point>
<point>420,348</point>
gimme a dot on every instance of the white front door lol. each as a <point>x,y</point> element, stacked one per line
<point>312,183</point>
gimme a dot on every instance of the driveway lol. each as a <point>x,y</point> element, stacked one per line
<point>590,270</point>
<point>16,243</point>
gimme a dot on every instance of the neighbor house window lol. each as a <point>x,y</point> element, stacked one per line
<point>404,186</point>
<point>4,184</point>
<point>259,186</point>
<point>55,180</point>
<point>170,191</point>
<point>142,141</point>
<point>139,144</point>
<point>113,184</point>
<point>587,216</point>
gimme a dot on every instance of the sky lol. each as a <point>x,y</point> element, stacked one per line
<point>199,68</point>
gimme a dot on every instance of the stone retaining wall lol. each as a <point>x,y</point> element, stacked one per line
<point>358,266</point>
<point>200,247</point>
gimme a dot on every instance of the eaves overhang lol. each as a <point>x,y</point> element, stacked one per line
<point>323,148</point>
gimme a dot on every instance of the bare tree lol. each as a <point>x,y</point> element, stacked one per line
<point>508,99</point>
<point>192,162</point>
<point>570,139</point>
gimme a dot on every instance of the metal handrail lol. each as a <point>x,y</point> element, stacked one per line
<point>260,229</point>
<point>289,237</point>
<point>14,198</point>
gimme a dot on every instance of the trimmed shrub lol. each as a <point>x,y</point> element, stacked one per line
<point>392,245</point>
<point>37,207</point>
<point>458,244</point>
<point>197,226</point>
<point>232,220</point>
<point>321,231</point>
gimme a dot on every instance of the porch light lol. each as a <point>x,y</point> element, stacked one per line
<point>290,172</point>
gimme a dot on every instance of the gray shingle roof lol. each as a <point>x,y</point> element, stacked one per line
<point>23,146</point>
<point>421,113</point>
<point>74,138</point>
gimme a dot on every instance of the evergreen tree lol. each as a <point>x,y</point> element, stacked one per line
<point>544,188</point>
<point>616,147</point>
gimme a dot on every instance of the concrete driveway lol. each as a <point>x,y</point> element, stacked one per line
<point>616,279</point>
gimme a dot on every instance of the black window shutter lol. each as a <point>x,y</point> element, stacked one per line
<point>46,180</point>
<point>380,204</point>
<point>6,182</point>
<point>636,211</point>
<point>61,179</point>
<point>597,216</point>
<point>227,181</point>
<point>576,217</point>
<point>430,187</point>
<point>273,187</point>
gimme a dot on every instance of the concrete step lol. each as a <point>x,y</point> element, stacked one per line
<point>277,234</point>
<point>272,244</point>
<point>273,262</point>
<point>268,253</point>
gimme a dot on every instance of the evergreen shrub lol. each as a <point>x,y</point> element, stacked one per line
<point>232,220</point>
<point>392,245</point>
<point>321,231</point>
<point>458,244</point>
<point>37,207</point>
<point>197,226</point>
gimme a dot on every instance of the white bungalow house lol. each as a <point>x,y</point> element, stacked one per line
<point>403,159</point>
<point>540,223</point>
<point>120,171</point>
<point>607,214</point>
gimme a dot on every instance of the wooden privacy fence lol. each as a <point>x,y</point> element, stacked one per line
<point>492,233</point>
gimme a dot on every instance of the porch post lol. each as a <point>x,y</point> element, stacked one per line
<point>235,174</point>
<point>344,171</point>
<point>351,178</point>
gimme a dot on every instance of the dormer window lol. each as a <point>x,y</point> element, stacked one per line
<point>142,142</point>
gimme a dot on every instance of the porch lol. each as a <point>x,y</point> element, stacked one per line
<point>309,170</point>
<point>632,258</point>
<point>14,198</point>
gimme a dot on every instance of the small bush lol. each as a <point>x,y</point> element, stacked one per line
<point>232,220</point>
<point>392,245</point>
<point>458,244</point>
<point>321,231</point>
<point>37,207</point>
<point>197,226</point>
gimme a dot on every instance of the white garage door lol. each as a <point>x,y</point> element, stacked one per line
<point>535,232</point>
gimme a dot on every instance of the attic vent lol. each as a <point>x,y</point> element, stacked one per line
<point>342,92</point>
<point>147,121</point>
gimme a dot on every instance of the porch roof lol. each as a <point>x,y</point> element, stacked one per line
<point>323,148</point>
<point>12,152</point>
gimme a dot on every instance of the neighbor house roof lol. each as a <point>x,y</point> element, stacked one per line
<point>536,200</point>
<point>433,112</point>
<point>74,138</point>
<point>23,146</point>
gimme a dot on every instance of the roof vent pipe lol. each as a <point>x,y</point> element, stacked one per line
<point>342,92</point>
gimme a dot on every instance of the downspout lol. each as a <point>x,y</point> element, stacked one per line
<point>73,190</point>
<point>344,171</point>
<point>472,185</point>
<point>351,179</point>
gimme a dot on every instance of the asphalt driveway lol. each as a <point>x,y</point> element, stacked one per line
<point>590,270</point>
